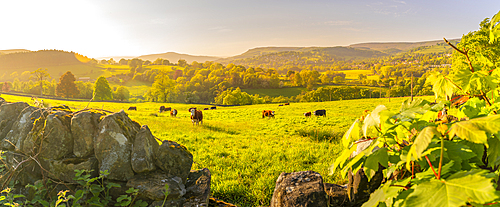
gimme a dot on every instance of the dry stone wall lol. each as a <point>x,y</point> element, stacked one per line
<point>53,142</point>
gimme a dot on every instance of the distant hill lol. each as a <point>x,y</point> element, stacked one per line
<point>56,61</point>
<point>174,57</point>
<point>4,52</point>
<point>396,47</point>
<point>267,56</point>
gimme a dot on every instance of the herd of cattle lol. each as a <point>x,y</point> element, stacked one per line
<point>197,115</point>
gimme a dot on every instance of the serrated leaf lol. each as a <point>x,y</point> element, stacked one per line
<point>475,130</point>
<point>352,134</point>
<point>493,152</point>
<point>340,161</point>
<point>494,28</point>
<point>372,161</point>
<point>420,144</point>
<point>480,57</point>
<point>441,86</point>
<point>372,119</point>
<point>383,194</point>
<point>411,108</point>
<point>453,192</point>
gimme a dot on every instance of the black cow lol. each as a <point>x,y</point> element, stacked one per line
<point>163,108</point>
<point>205,109</point>
<point>213,108</point>
<point>132,108</point>
<point>321,112</point>
<point>280,105</point>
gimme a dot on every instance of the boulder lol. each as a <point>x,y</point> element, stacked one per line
<point>359,188</point>
<point>84,127</point>
<point>33,139</point>
<point>174,159</point>
<point>198,188</point>
<point>142,158</point>
<point>19,130</point>
<point>303,188</point>
<point>151,185</point>
<point>8,115</point>
<point>337,194</point>
<point>113,145</point>
<point>2,101</point>
<point>65,169</point>
<point>57,140</point>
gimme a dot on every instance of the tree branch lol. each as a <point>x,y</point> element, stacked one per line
<point>464,52</point>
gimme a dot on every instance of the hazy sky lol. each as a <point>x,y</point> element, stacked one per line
<point>101,28</point>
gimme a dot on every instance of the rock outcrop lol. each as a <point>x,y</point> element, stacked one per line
<point>56,142</point>
<point>303,188</point>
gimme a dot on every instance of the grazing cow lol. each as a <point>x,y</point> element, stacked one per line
<point>213,108</point>
<point>163,108</point>
<point>307,114</point>
<point>267,113</point>
<point>205,109</point>
<point>196,116</point>
<point>321,112</point>
<point>173,113</point>
<point>280,105</point>
<point>286,104</point>
<point>132,108</point>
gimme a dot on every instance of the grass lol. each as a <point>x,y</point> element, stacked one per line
<point>353,74</point>
<point>275,92</point>
<point>244,152</point>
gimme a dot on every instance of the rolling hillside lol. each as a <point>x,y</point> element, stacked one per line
<point>396,47</point>
<point>174,57</point>
<point>4,52</point>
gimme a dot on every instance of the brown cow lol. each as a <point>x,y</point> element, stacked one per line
<point>307,114</point>
<point>287,104</point>
<point>267,113</point>
<point>196,116</point>
<point>173,113</point>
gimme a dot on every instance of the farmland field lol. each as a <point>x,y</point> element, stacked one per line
<point>244,152</point>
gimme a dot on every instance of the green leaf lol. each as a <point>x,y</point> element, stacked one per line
<point>420,144</point>
<point>475,130</point>
<point>493,152</point>
<point>352,134</point>
<point>412,108</point>
<point>384,193</point>
<point>372,161</point>
<point>494,28</point>
<point>441,86</point>
<point>372,119</point>
<point>457,191</point>
<point>340,161</point>
<point>112,185</point>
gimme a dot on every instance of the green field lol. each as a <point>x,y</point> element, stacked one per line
<point>353,74</point>
<point>275,92</point>
<point>244,152</point>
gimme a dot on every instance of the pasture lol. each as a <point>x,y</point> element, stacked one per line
<point>245,152</point>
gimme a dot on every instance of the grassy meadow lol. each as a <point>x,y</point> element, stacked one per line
<point>245,152</point>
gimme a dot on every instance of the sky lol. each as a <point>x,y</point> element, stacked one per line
<point>105,28</point>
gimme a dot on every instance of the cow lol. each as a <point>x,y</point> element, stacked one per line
<point>132,108</point>
<point>196,116</point>
<point>213,108</point>
<point>173,113</point>
<point>307,114</point>
<point>280,105</point>
<point>163,108</point>
<point>267,113</point>
<point>321,112</point>
<point>205,109</point>
<point>287,104</point>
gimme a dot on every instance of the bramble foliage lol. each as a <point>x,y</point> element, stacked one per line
<point>447,162</point>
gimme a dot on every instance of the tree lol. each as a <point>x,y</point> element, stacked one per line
<point>6,86</point>
<point>66,86</point>
<point>182,63</point>
<point>40,74</point>
<point>121,93</point>
<point>162,86</point>
<point>102,91</point>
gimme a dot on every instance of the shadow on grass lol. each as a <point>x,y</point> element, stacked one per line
<point>219,129</point>
<point>318,135</point>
